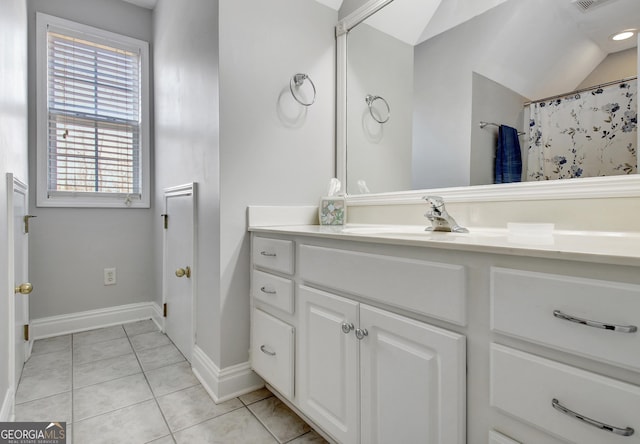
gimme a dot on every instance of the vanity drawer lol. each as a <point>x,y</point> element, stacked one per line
<point>499,438</point>
<point>428,288</point>
<point>274,254</point>
<point>525,386</point>
<point>273,290</point>
<point>523,305</point>
<point>272,343</point>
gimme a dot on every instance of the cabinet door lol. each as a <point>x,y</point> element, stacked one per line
<point>412,381</point>
<point>327,375</point>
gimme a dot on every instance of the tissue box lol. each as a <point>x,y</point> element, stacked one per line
<point>333,211</point>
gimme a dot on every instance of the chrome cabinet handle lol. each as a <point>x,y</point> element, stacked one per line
<point>265,290</point>
<point>266,253</point>
<point>264,350</point>
<point>361,333</point>
<point>347,327</point>
<point>596,324</point>
<point>628,431</point>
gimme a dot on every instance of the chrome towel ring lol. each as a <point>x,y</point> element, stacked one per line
<point>296,82</point>
<point>370,99</point>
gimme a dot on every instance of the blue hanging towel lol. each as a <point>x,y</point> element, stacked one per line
<point>508,156</point>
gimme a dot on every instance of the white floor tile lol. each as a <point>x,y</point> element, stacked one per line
<point>159,357</point>
<point>279,419</point>
<point>103,370</point>
<point>42,385</point>
<point>50,345</point>
<point>136,424</point>
<point>255,396</point>
<point>191,406</point>
<point>104,390</point>
<point>99,335</point>
<point>237,427</point>
<point>101,350</point>
<point>108,396</point>
<point>147,341</point>
<point>56,408</point>
<point>171,378</point>
<point>139,327</point>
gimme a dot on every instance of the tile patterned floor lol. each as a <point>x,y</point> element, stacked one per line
<point>130,384</point>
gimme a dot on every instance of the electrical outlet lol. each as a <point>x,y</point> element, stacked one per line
<point>109,276</point>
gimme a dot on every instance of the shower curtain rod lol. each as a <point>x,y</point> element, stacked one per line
<point>578,91</point>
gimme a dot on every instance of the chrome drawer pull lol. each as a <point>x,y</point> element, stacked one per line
<point>361,333</point>
<point>264,350</point>
<point>596,324</point>
<point>264,290</point>
<point>266,253</point>
<point>602,426</point>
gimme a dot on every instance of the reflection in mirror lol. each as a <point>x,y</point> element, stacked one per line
<point>450,65</point>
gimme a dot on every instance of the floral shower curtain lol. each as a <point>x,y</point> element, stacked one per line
<point>593,133</point>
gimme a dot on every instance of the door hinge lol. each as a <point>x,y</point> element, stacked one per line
<point>164,310</point>
<point>26,223</point>
<point>26,332</point>
<point>165,217</point>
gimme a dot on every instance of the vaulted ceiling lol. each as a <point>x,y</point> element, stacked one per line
<point>414,21</point>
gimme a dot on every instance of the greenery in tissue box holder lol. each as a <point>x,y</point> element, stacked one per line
<point>333,211</point>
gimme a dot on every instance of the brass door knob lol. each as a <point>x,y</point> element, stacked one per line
<point>180,272</point>
<point>25,288</point>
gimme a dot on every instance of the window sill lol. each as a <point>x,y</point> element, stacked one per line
<point>91,202</point>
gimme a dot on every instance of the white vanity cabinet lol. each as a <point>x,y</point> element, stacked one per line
<point>328,363</point>
<point>394,340</point>
<point>412,380</point>
<point>272,307</point>
<point>364,373</point>
<point>410,375</point>
<point>591,318</point>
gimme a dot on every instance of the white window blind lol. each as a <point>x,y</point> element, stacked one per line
<point>94,115</point>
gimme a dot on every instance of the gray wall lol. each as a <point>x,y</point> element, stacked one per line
<point>187,147</point>
<point>69,247</point>
<point>616,66</point>
<point>13,152</point>
<point>267,157</point>
<point>380,154</point>
<point>348,6</point>
<point>225,119</point>
<point>492,102</point>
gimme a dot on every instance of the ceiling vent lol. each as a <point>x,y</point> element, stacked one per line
<point>587,5</point>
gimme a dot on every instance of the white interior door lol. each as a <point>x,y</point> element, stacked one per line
<point>18,210</point>
<point>179,267</point>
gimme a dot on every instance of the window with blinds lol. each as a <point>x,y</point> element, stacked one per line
<point>94,114</point>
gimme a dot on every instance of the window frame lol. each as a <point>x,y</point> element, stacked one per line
<point>88,199</point>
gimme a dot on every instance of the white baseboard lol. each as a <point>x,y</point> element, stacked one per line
<point>6,410</point>
<point>227,383</point>
<point>92,319</point>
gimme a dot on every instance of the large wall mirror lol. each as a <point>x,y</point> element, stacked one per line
<point>423,86</point>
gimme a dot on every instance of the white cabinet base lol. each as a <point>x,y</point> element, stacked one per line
<point>413,381</point>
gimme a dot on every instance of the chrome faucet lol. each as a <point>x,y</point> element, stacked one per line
<point>440,219</point>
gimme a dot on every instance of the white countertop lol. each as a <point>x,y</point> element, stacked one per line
<point>618,248</point>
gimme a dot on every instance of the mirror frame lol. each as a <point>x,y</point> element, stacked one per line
<point>582,188</point>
